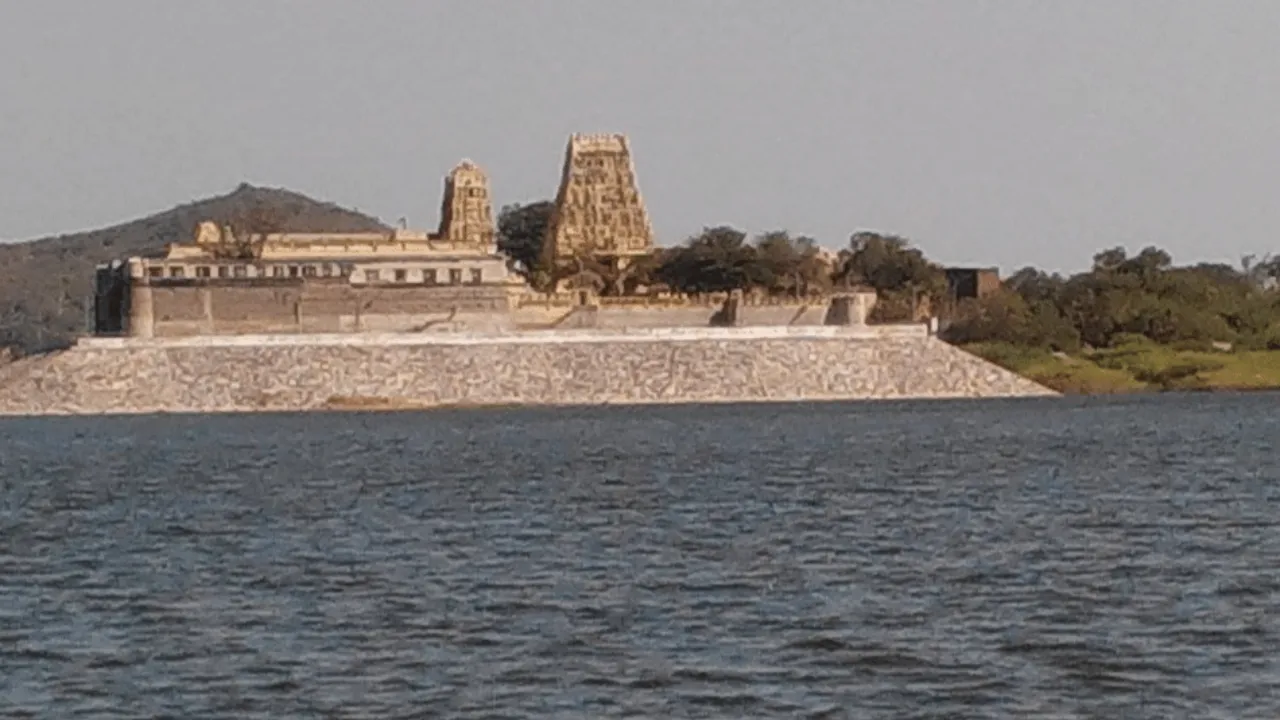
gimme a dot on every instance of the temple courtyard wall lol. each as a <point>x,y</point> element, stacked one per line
<point>558,367</point>
<point>317,306</point>
<point>614,317</point>
<point>321,306</point>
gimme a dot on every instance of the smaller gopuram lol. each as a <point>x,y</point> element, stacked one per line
<point>598,208</point>
<point>466,213</point>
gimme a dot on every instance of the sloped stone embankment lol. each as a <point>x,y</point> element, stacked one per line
<point>297,375</point>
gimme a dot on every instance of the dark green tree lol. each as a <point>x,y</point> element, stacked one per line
<point>522,232</point>
<point>1036,285</point>
<point>905,280</point>
<point>717,260</point>
<point>1007,317</point>
<point>788,266</point>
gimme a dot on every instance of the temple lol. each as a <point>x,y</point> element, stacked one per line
<point>250,280</point>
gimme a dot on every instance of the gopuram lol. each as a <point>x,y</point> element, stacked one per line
<point>598,208</point>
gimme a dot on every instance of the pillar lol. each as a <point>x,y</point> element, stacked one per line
<point>206,302</point>
<point>142,312</point>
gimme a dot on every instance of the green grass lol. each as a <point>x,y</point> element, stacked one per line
<point>1138,366</point>
<point>1253,370</point>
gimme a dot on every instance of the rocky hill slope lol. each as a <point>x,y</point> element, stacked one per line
<point>45,285</point>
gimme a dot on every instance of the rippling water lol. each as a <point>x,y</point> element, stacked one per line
<point>1056,559</point>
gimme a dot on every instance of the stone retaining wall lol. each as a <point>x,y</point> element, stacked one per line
<point>314,305</point>
<point>730,365</point>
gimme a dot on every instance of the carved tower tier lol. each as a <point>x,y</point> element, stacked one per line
<point>466,216</point>
<point>598,207</point>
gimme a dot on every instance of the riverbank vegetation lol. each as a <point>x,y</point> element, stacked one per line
<point>1132,323</point>
<point>1138,366</point>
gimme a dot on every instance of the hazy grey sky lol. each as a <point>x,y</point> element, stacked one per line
<point>1006,133</point>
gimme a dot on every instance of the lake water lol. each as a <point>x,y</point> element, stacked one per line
<point>1077,558</point>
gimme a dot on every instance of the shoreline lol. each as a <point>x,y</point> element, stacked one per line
<point>408,408</point>
<point>1217,389</point>
<point>394,405</point>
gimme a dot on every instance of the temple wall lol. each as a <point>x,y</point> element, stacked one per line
<point>794,314</point>
<point>655,317</point>
<point>297,372</point>
<point>319,306</point>
<point>324,305</point>
<point>182,304</point>
<point>676,315</point>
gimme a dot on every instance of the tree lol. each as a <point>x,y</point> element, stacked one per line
<point>249,231</point>
<point>716,260</point>
<point>1000,317</point>
<point>1036,285</point>
<point>905,280</point>
<point>643,271</point>
<point>585,267</point>
<point>1147,295</point>
<point>522,233</point>
<point>1264,273</point>
<point>784,265</point>
<point>1110,259</point>
<point>1006,317</point>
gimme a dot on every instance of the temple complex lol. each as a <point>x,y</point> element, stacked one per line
<point>243,318</point>
<point>251,280</point>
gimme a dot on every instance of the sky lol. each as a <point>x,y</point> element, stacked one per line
<point>993,133</point>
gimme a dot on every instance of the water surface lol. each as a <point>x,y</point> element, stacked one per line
<point>988,559</point>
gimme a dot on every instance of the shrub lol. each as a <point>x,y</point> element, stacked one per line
<point>1008,355</point>
<point>1185,373</point>
<point>1131,341</point>
<point>1201,345</point>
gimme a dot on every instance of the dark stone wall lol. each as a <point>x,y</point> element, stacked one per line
<point>110,300</point>
<point>972,282</point>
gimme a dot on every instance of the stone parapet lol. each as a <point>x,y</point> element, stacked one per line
<point>678,365</point>
<point>527,337</point>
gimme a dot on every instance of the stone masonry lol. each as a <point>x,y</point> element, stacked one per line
<point>466,213</point>
<point>598,208</point>
<point>695,365</point>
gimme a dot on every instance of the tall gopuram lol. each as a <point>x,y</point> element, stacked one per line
<point>598,208</point>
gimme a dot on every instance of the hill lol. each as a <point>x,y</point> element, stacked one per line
<point>46,284</point>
